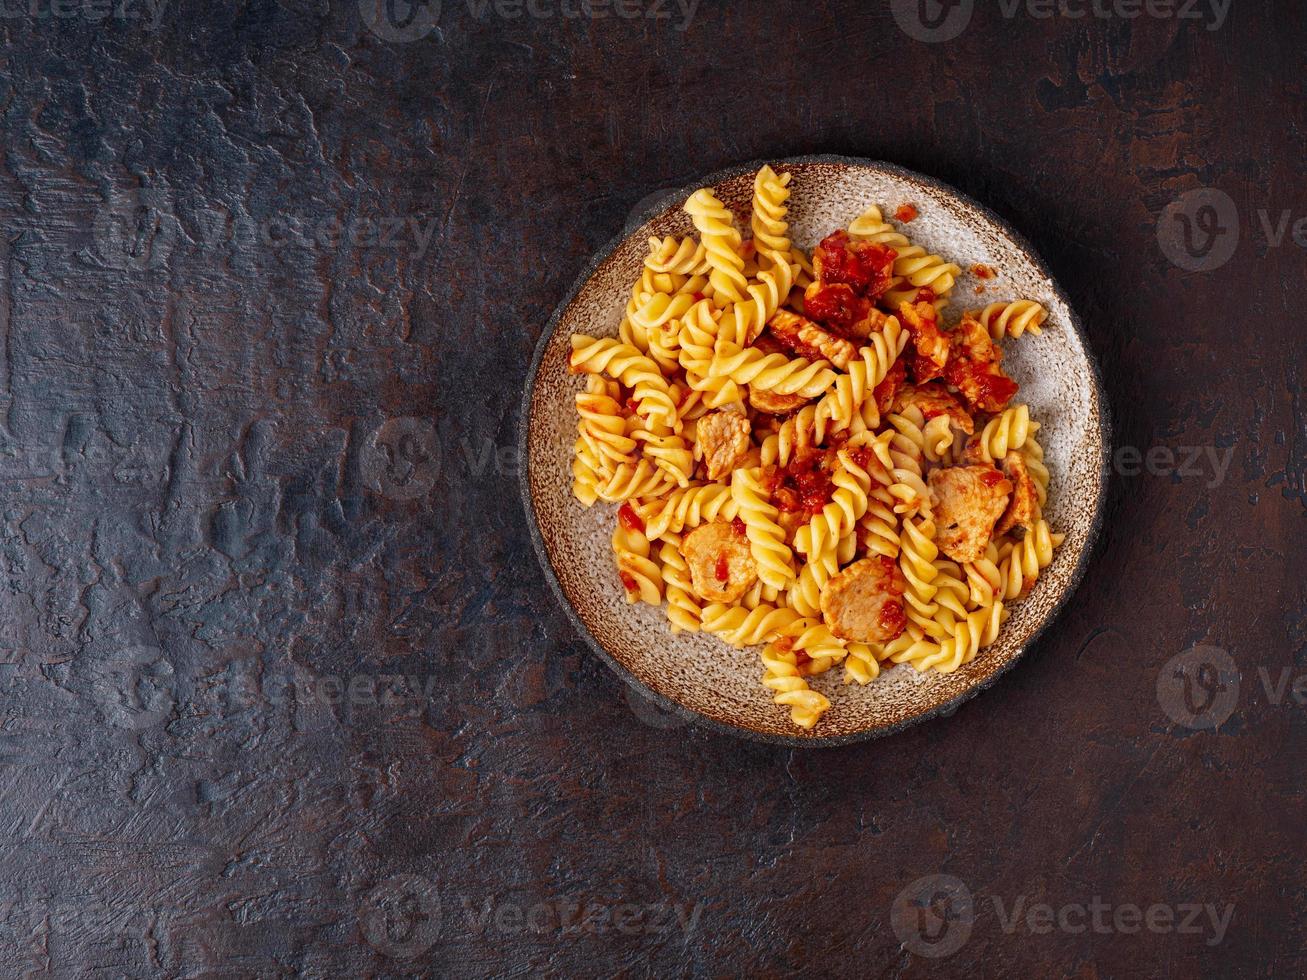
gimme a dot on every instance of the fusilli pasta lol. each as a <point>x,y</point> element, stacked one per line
<point>825,483</point>
<point>1012,319</point>
<point>766,538</point>
<point>722,244</point>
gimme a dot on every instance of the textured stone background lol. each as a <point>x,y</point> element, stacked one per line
<point>257,471</point>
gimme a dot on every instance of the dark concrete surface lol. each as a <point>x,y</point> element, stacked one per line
<point>284,692</point>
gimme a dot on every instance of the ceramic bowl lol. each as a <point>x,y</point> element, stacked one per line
<point>697,674</point>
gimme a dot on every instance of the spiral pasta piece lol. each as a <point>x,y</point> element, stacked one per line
<point>938,433</point>
<point>687,508</point>
<point>878,531</point>
<point>602,424</point>
<point>639,479</point>
<point>766,537</point>
<point>683,608</point>
<point>820,537</point>
<point>934,439</point>
<point>593,355</point>
<point>913,266</point>
<point>660,308</point>
<point>952,593</point>
<point>791,690</point>
<point>741,627</point>
<point>656,321</point>
<point>690,404</point>
<point>804,593</point>
<point>910,649</point>
<point>649,284</point>
<point>918,270</point>
<point>804,272</point>
<point>902,450</point>
<point>665,351</point>
<point>699,329</point>
<point>817,641</point>
<point>853,389</point>
<point>722,243</point>
<point>770,192</point>
<point>862,666</point>
<point>1006,431</point>
<point>698,337</point>
<point>745,320</point>
<point>1012,319</point>
<point>668,451</point>
<point>652,317</point>
<point>772,372</point>
<point>760,594</point>
<point>800,431</point>
<point>970,635</point>
<point>985,581</point>
<point>871,226</point>
<point>683,256</point>
<point>847,549</point>
<point>1033,453</point>
<point>1028,558</point>
<point>933,608</point>
<point>641,577</point>
<point>587,475</point>
<point>917,554</point>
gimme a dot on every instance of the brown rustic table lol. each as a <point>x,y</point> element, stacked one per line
<point>284,690</point>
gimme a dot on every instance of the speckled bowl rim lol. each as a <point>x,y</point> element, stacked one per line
<point>653,210</point>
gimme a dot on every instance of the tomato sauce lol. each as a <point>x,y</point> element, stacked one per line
<point>893,619</point>
<point>814,491</point>
<point>630,519</point>
<point>861,457</point>
<point>805,487</point>
<point>834,304</point>
<point>887,568</point>
<point>811,483</point>
<point>983,272</point>
<point>987,390</point>
<point>997,389</point>
<point>866,266</point>
<point>723,568</point>
<point>906,213</point>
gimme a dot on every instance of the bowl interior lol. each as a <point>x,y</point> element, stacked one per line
<point>700,673</point>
